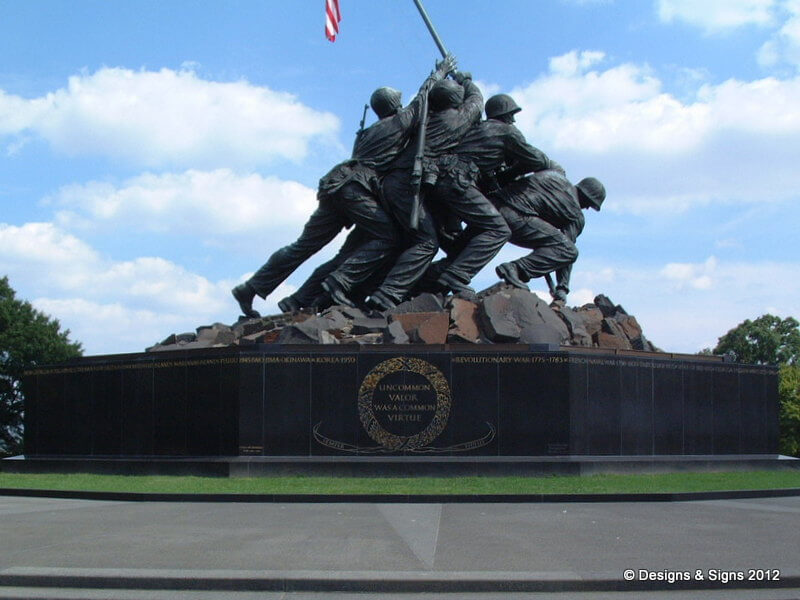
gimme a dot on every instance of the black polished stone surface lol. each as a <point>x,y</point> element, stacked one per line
<point>636,409</point>
<point>603,409</point>
<point>533,406</point>
<point>251,390</point>
<point>67,424</point>
<point>203,398</point>
<point>668,401</point>
<point>106,412</point>
<point>698,422</point>
<point>138,413</point>
<point>170,394</point>
<point>578,379</point>
<point>328,406</point>
<point>727,411</point>
<point>475,410</point>
<point>448,401</point>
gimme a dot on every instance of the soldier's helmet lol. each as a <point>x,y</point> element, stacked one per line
<point>445,94</point>
<point>385,101</point>
<point>501,104</point>
<point>593,191</point>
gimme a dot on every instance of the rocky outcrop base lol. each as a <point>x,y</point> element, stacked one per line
<point>500,314</point>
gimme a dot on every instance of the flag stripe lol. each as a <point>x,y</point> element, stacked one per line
<point>333,5</point>
<point>332,18</point>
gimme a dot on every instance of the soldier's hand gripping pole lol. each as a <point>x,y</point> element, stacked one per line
<point>416,172</point>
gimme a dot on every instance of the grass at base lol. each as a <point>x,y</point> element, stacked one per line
<point>587,484</point>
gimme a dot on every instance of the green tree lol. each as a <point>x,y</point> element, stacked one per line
<point>789,392</point>
<point>27,338</point>
<point>770,340</point>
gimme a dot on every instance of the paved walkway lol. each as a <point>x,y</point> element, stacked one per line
<point>291,549</point>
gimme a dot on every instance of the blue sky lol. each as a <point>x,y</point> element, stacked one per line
<point>153,154</point>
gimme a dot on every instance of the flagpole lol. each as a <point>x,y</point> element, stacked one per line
<point>431,28</point>
<point>416,171</point>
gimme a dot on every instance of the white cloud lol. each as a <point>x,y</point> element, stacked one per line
<point>572,63</point>
<point>573,107</point>
<point>764,106</point>
<point>113,306</point>
<point>49,260</point>
<point>784,45</point>
<point>43,251</point>
<point>698,276</point>
<point>125,306</point>
<point>714,16</point>
<point>167,117</point>
<point>581,296</point>
<point>733,141</point>
<point>684,307</point>
<point>487,88</point>
<point>576,107</point>
<point>109,328</point>
<point>117,327</point>
<point>208,203</point>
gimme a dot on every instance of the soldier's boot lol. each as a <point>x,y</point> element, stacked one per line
<point>559,299</point>
<point>289,305</point>
<point>380,301</point>
<point>509,273</point>
<point>244,295</point>
<point>449,283</point>
<point>337,293</point>
<point>320,303</point>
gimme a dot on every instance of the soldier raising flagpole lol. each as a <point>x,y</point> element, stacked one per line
<point>416,171</point>
<point>437,144</point>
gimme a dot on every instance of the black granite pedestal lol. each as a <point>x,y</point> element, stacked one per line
<point>400,405</point>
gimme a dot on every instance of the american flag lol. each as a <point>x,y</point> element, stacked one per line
<point>332,18</point>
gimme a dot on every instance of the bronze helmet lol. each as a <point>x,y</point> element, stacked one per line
<point>501,104</point>
<point>385,101</point>
<point>593,191</point>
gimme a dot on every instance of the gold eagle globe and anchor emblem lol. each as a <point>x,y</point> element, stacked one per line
<point>404,405</point>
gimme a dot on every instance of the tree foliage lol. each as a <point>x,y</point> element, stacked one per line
<point>768,340</point>
<point>789,392</point>
<point>27,338</point>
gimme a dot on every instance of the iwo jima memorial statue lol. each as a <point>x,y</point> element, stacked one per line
<point>387,354</point>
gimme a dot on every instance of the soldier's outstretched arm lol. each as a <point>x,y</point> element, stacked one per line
<point>472,106</point>
<point>523,157</point>
<point>443,68</point>
<point>411,113</point>
<point>573,229</point>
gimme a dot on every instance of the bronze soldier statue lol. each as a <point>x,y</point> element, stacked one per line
<point>485,147</point>
<point>314,294</point>
<point>455,106</point>
<point>543,210</point>
<point>348,195</point>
